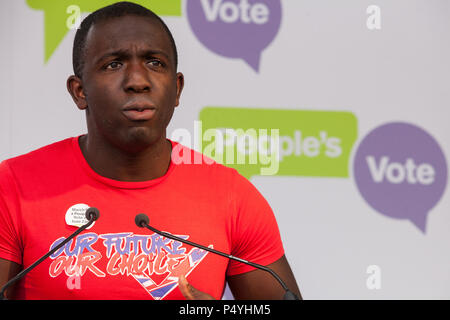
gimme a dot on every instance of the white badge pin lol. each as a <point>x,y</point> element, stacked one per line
<point>75,215</point>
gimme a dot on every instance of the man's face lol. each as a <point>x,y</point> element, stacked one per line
<point>129,82</point>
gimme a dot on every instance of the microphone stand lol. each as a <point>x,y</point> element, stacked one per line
<point>289,295</point>
<point>90,215</point>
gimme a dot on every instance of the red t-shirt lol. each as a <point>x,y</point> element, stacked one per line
<point>44,193</point>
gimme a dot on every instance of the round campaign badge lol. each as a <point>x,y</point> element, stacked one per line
<point>75,215</point>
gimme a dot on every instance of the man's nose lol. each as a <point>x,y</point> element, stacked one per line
<point>137,78</point>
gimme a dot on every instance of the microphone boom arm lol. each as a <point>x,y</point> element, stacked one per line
<point>90,215</point>
<point>289,294</point>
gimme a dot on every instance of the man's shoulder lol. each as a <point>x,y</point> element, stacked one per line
<point>201,169</point>
<point>193,160</point>
<point>40,158</point>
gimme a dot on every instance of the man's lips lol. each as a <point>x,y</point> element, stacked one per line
<point>139,111</point>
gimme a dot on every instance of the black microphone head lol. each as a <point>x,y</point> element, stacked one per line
<point>141,220</point>
<point>92,214</point>
<point>289,295</point>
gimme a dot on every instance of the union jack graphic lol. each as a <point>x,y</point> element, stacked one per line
<point>160,285</point>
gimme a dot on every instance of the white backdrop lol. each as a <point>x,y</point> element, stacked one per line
<point>324,57</point>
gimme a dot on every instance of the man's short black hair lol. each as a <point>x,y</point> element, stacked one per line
<point>119,9</point>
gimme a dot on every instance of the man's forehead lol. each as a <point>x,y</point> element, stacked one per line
<point>121,32</point>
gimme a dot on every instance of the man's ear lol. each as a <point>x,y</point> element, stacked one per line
<point>180,86</point>
<point>75,88</point>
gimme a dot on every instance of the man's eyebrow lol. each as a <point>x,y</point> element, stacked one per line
<point>115,53</point>
<point>126,54</point>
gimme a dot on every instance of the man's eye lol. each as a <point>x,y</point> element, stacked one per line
<point>155,63</point>
<point>113,65</point>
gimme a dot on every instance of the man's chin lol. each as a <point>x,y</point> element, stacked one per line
<point>140,138</point>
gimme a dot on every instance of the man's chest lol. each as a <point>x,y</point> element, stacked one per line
<point>131,262</point>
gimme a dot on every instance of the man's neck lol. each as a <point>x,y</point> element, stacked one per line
<point>113,163</point>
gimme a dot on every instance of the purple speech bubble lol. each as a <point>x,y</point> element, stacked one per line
<point>401,171</point>
<point>235,28</point>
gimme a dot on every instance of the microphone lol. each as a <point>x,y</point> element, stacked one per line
<point>142,221</point>
<point>92,214</point>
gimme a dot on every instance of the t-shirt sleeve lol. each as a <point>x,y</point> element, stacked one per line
<point>9,240</point>
<point>255,233</point>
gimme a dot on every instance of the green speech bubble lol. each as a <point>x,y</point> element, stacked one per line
<point>56,15</point>
<point>310,143</point>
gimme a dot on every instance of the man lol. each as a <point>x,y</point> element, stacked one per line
<point>126,81</point>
